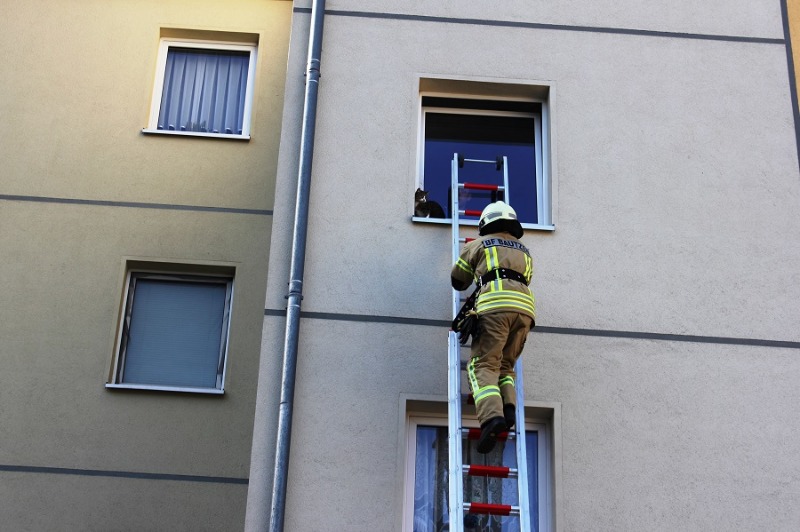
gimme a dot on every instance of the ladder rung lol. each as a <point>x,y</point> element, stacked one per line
<point>490,509</point>
<point>474,470</point>
<point>480,161</point>
<point>481,186</point>
<point>475,434</point>
<point>470,212</point>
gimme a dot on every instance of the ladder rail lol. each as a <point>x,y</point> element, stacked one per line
<point>454,222</point>
<point>519,429</point>
<point>506,195</point>
<point>455,474</point>
<point>522,454</point>
<point>456,468</point>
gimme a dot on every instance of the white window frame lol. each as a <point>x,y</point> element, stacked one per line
<point>118,367</point>
<point>544,463</point>
<point>541,149</point>
<point>214,46</point>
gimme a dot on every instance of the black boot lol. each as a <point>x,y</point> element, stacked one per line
<point>510,413</point>
<point>489,432</point>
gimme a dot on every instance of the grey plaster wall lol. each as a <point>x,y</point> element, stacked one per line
<point>83,191</point>
<point>58,328</point>
<point>37,502</point>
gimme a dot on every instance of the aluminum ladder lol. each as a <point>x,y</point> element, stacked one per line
<point>458,508</point>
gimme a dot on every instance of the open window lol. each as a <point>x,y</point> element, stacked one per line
<point>485,129</point>
<point>426,498</point>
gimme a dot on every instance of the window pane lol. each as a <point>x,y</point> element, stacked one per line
<point>431,483</point>
<point>481,137</point>
<point>204,91</point>
<point>531,447</point>
<point>176,330</point>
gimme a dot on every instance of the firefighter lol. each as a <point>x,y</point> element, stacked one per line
<point>502,267</point>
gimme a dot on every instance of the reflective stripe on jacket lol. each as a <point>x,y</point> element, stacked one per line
<point>499,250</point>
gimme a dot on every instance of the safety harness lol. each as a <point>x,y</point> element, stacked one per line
<point>466,321</point>
<point>502,273</point>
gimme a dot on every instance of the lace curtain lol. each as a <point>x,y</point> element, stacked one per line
<point>431,483</point>
<point>204,91</point>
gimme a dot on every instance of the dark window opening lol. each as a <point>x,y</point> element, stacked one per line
<point>480,129</point>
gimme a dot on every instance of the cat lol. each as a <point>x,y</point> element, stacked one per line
<point>424,208</point>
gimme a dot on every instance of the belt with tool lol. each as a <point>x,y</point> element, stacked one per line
<point>466,321</point>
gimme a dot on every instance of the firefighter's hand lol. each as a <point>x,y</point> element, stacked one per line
<point>468,327</point>
<point>458,284</point>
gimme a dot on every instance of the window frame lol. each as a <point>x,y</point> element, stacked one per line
<point>544,459</point>
<point>213,46</point>
<point>120,346</point>
<point>541,150</point>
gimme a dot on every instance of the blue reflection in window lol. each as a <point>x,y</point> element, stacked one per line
<point>481,137</point>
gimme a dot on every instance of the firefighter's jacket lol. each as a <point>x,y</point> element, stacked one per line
<point>487,253</point>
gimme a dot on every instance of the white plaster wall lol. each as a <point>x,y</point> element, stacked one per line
<point>672,436</point>
<point>676,176</point>
<point>268,396</point>
<point>760,18</point>
<point>656,435</point>
<point>345,454</point>
<point>677,181</point>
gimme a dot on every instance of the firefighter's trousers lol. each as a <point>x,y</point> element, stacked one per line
<point>499,343</point>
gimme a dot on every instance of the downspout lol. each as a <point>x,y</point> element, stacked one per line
<point>295,296</point>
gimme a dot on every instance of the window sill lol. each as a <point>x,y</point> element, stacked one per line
<point>209,391</point>
<point>148,131</point>
<point>446,221</point>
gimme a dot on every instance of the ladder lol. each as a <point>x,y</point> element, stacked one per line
<point>456,431</point>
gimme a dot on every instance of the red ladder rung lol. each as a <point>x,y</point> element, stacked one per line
<point>475,470</point>
<point>490,509</point>
<point>481,186</point>
<point>475,434</point>
<point>470,213</point>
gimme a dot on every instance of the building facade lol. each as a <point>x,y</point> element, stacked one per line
<point>147,210</point>
<point>659,195</point>
<point>109,192</point>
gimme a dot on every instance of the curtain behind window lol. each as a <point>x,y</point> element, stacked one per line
<point>431,483</point>
<point>204,90</point>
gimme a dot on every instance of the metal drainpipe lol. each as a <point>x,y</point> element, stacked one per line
<point>295,295</point>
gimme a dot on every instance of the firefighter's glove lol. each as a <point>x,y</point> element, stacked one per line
<point>468,326</point>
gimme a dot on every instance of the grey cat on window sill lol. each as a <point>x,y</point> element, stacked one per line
<point>424,208</point>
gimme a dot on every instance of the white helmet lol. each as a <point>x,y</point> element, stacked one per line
<point>496,211</point>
